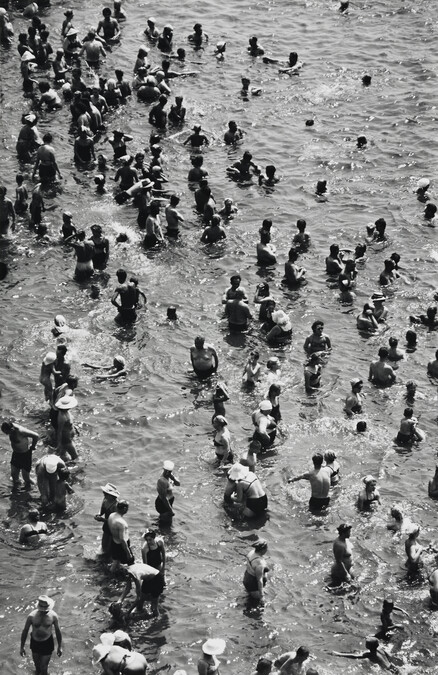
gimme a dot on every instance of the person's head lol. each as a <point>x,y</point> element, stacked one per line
<point>383,353</point>
<point>245,82</point>
<point>360,250</point>
<point>260,546</point>
<point>317,460</point>
<point>199,342</point>
<point>253,41</point>
<point>47,138</point>
<point>274,390</point>
<point>369,482</point>
<point>317,326</point>
<point>197,160</point>
<point>388,605</point>
<point>162,100</point>
<point>270,170</point>
<point>72,381</point>
<point>171,313</point>
<point>430,211</point>
<point>393,342</point>
<point>321,187</point>
<point>34,515</point>
<point>372,643</point>
<point>334,250</point>
<point>255,447</point>
<point>408,412</point>
<point>254,355</point>
<point>121,275</point>
<point>61,350</point>
<point>220,422</point>
<point>106,12</point>
<point>329,456</point>
<point>7,427</point>
<point>302,654</point>
<point>366,80</point>
<point>149,536</point>
<point>397,513</point>
<point>301,225</point>
<point>411,387</point>
<point>232,126</point>
<point>235,280</point>
<point>431,312</point>
<point>293,254</point>
<point>344,530</point>
<point>122,506</point>
<point>361,427</point>
<point>216,220</point>
<point>273,363</point>
<point>361,141</point>
<point>265,237</point>
<point>264,666</point>
<point>356,384</point>
<point>181,53</point>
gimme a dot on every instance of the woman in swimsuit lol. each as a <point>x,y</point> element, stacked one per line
<point>153,552</point>
<point>101,247</point>
<point>222,440</point>
<point>332,465</point>
<point>250,493</point>
<point>369,497</point>
<point>255,576</point>
<point>274,397</point>
<point>30,534</point>
<point>413,551</point>
<point>342,551</point>
<point>220,396</point>
<point>208,664</point>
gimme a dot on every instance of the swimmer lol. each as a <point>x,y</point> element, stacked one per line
<point>409,432</point>
<point>394,353</point>
<point>366,321</point>
<point>197,140</point>
<point>214,232</point>
<point>173,217</point>
<point>21,459</point>
<point>389,274</point>
<point>385,617</point>
<point>113,658</point>
<point>375,653</point>
<point>265,250</point>
<point>84,251</point>
<point>353,402</point>
<point>198,36</point>
<point>318,342</point>
<point>265,426</point>
<point>233,134</point>
<point>254,49</point>
<point>422,187</point>
<point>341,570</point>
<point>301,240</point>
<point>429,319</point>
<point>67,228</point>
<point>312,373</point>
<point>366,80</point>
<point>274,371</point>
<point>251,371</point>
<point>46,374</point>
<point>237,312</point>
<point>268,179</point>
<point>220,396</point>
<point>369,497</point>
<point>256,572</point>
<point>381,372</point>
<point>361,427</point>
<point>21,195</point>
<point>262,297</point>
<point>177,113</point>
<point>294,275</point>
<point>333,262</point>
<point>332,464</point>
<point>197,172</point>
<point>432,489</point>
<point>432,366</point>
<point>127,295</point>
<point>7,212</point>
<point>219,51</point>
<point>65,427</point>
<point>255,91</point>
<point>321,188</point>
<point>319,479</point>
<point>165,498</point>
<point>109,27</point>
<point>120,547</point>
<point>108,506</point>
<point>263,667</point>
<point>430,213</point>
<point>42,621</point>
<point>244,168</point>
<point>157,114</point>
<point>204,358</point>
<point>117,369</point>
<point>118,13</point>
<point>230,293</point>
<point>30,534</point>
<point>222,440</point>
<point>151,31</point>
<point>93,49</point>
<point>292,663</point>
<point>229,210</point>
<point>273,396</point>
<point>380,313</point>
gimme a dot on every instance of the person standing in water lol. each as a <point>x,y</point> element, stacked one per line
<point>165,498</point>
<point>21,459</point>
<point>42,621</point>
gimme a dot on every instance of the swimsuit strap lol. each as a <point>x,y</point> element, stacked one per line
<point>122,665</point>
<point>249,485</point>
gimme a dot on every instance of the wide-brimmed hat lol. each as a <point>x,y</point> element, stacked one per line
<point>45,603</point>
<point>368,479</point>
<point>49,358</point>
<point>146,184</point>
<point>59,318</point>
<point>30,118</point>
<point>281,319</point>
<point>51,463</point>
<point>355,381</point>
<point>423,183</point>
<point>107,639</point>
<point>265,405</point>
<point>99,653</point>
<point>378,297</point>
<point>238,471</point>
<point>168,465</point>
<point>66,403</point>
<point>72,32</point>
<point>110,489</point>
<point>214,646</point>
<point>121,636</point>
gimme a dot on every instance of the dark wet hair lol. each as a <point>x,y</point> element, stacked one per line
<point>408,412</point>
<point>317,323</point>
<point>383,353</point>
<point>393,342</point>
<point>301,224</point>
<point>121,275</point>
<point>361,426</point>
<point>317,459</point>
<point>303,651</point>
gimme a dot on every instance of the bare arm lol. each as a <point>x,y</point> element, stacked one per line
<point>27,625</point>
<point>58,634</point>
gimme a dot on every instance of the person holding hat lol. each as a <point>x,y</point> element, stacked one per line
<point>381,373</point>
<point>265,425</point>
<point>353,402</point>
<point>42,621</point>
<point>366,321</point>
<point>256,571</point>
<point>116,660</point>
<point>46,375</point>
<point>369,497</point>
<point>342,551</point>
<point>319,479</point>
<point>21,459</point>
<point>149,584</point>
<point>318,341</point>
<point>375,654</point>
<point>109,27</point>
<point>108,506</point>
<point>31,532</point>
<point>208,664</point>
<point>197,140</point>
<point>65,429</point>
<point>46,470</point>
<point>120,548</point>
<point>165,499</point>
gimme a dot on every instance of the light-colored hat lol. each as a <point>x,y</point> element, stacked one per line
<point>51,463</point>
<point>146,184</point>
<point>59,319</point>
<point>66,403</point>
<point>265,405</point>
<point>423,183</point>
<point>180,672</point>
<point>221,420</point>
<point>152,19</point>
<point>99,653</point>
<point>45,603</point>
<point>281,319</point>
<point>168,26</point>
<point>120,359</point>
<point>50,357</point>
<point>72,32</point>
<point>121,636</point>
<point>238,472</point>
<point>378,297</point>
<point>355,381</point>
<point>27,56</point>
<point>168,465</point>
<point>368,479</point>
<point>107,639</point>
<point>30,118</point>
<point>214,646</point>
<point>110,489</point>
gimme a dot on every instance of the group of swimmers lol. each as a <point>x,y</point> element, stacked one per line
<point>145,185</point>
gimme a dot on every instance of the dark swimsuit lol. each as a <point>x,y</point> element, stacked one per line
<point>34,532</point>
<point>250,580</point>
<point>119,553</point>
<point>43,647</point>
<point>161,507</point>
<point>153,586</point>
<point>154,557</point>
<point>318,503</point>
<point>22,460</point>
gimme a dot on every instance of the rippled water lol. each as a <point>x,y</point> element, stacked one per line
<point>127,428</point>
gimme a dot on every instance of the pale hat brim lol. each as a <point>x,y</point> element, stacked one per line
<point>214,646</point>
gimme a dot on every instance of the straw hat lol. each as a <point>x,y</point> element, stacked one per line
<point>66,403</point>
<point>168,465</point>
<point>238,472</point>
<point>45,604</point>
<point>214,646</point>
<point>49,358</point>
<point>110,489</point>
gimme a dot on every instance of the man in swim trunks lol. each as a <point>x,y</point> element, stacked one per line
<point>237,312</point>
<point>317,341</point>
<point>21,459</point>
<point>42,620</point>
<point>45,161</point>
<point>319,480</point>
<point>109,26</point>
<point>353,402</point>
<point>128,298</point>
<point>120,549</point>
<point>204,358</point>
<point>381,372</point>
